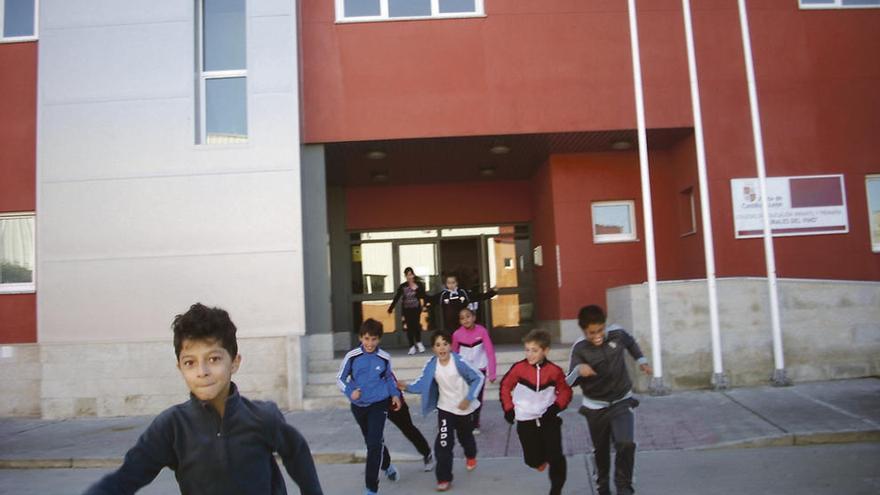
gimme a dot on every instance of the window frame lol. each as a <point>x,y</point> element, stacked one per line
<point>204,76</point>
<point>875,248</point>
<point>479,11</point>
<point>20,39</point>
<point>834,4</point>
<point>692,204</point>
<point>614,238</point>
<point>27,287</point>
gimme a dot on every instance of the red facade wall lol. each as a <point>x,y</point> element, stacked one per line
<point>18,130</point>
<point>544,235</point>
<point>18,318</point>
<point>18,126</point>
<point>820,113</point>
<point>553,65</point>
<point>477,203</point>
<point>588,269</point>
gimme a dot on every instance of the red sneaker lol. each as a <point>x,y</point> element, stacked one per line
<point>471,464</point>
<point>443,486</point>
<point>542,467</point>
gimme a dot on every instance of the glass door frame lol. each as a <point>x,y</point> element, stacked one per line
<point>433,235</point>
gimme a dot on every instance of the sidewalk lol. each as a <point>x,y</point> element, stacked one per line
<point>807,413</point>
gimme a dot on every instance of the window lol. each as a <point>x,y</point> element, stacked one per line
<point>384,10</point>
<point>614,221</point>
<point>872,182</point>
<point>838,4</point>
<point>687,212</point>
<point>222,93</point>
<point>16,252</point>
<point>18,20</point>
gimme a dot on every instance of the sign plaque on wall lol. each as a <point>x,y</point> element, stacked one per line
<point>804,205</point>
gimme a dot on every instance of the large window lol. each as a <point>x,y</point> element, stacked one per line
<point>872,182</point>
<point>222,68</point>
<point>385,10</point>
<point>16,252</point>
<point>838,4</point>
<point>18,20</point>
<point>614,221</point>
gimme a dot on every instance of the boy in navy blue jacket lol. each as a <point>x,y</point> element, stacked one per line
<point>365,377</point>
<point>218,442</point>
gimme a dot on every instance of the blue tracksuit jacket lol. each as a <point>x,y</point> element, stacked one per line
<point>371,373</point>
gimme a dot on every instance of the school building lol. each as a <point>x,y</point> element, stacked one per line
<point>286,160</point>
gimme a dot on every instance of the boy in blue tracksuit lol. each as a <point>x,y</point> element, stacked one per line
<point>365,377</point>
<point>449,384</point>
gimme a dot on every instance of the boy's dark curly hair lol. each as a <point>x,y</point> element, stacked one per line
<point>204,323</point>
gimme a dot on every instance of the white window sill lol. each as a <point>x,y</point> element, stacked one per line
<point>17,289</point>
<point>358,20</point>
<point>18,39</point>
<point>600,240</point>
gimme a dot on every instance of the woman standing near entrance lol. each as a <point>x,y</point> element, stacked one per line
<point>413,294</point>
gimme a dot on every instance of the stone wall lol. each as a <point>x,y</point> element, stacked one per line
<point>135,378</point>
<point>831,329</point>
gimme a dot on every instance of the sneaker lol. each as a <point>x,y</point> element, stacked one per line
<point>392,474</point>
<point>542,467</point>
<point>412,350</point>
<point>471,464</point>
<point>443,486</point>
<point>421,348</point>
<point>476,431</point>
<point>368,492</point>
<point>429,461</point>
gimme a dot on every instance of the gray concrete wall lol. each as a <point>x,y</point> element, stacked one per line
<point>831,329</point>
<point>135,220</point>
<point>316,241</point>
<point>20,387</point>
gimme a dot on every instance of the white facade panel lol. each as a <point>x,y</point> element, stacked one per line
<point>132,61</point>
<point>169,216</point>
<point>56,14</point>
<point>136,220</point>
<point>271,38</point>
<point>136,299</point>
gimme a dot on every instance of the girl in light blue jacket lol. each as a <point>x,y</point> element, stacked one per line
<point>449,384</point>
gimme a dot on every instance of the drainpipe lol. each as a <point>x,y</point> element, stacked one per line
<point>657,387</point>
<point>719,378</point>
<point>779,377</point>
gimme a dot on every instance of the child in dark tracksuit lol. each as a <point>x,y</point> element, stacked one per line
<point>598,366</point>
<point>218,442</point>
<point>533,392</point>
<point>365,377</point>
<point>449,384</point>
<point>403,421</point>
<point>452,300</point>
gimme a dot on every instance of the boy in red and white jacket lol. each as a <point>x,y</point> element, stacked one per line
<point>533,392</point>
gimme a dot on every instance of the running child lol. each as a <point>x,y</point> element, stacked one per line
<point>472,342</point>
<point>188,437</point>
<point>449,384</point>
<point>598,366</point>
<point>533,392</point>
<point>453,299</point>
<point>365,377</point>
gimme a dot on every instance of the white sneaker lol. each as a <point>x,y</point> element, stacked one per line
<point>476,431</point>
<point>420,347</point>
<point>412,350</point>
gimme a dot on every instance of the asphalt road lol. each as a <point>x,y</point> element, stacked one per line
<point>809,470</point>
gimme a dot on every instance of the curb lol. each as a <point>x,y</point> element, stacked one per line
<point>798,439</point>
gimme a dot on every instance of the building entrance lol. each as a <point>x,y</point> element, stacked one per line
<point>496,257</point>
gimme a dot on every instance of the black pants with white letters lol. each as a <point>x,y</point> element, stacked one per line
<point>448,425</point>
